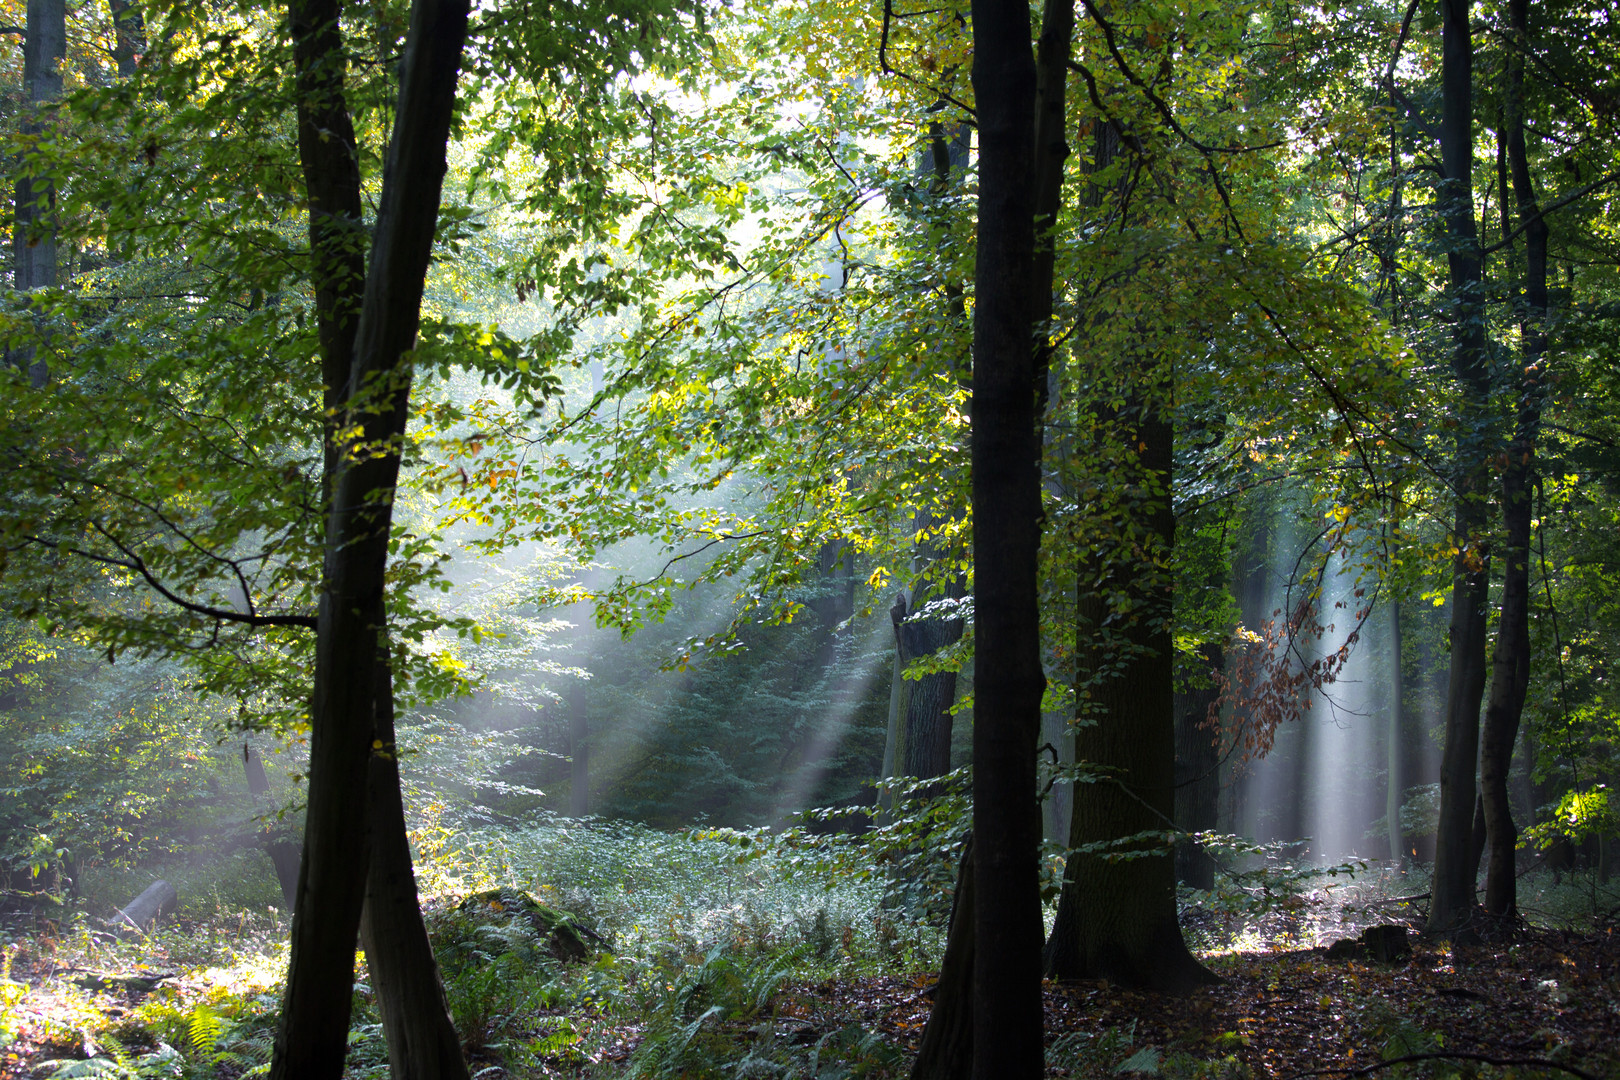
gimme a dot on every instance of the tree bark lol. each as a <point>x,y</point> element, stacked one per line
<point>33,234</point>
<point>1116,918</point>
<point>422,1040</point>
<point>1451,912</point>
<point>1197,788</point>
<point>129,36</point>
<point>946,1051</point>
<point>352,641</point>
<point>1510,667</point>
<point>1008,680</point>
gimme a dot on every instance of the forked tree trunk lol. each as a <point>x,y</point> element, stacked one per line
<point>1007,676</point>
<point>352,642</point>
<point>1455,867</point>
<point>1510,674</point>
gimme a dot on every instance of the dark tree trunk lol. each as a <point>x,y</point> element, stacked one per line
<point>283,853</point>
<point>129,36</point>
<point>1008,680</point>
<point>1455,868</point>
<point>1197,785</point>
<point>928,700</point>
<point>1116,918</point>
<point>337,237</point>
<point>946,1052</point>
<point>1510,668</point>
<point>33,232</point>
<point>579,751</point>
<point>422,1041</point>
<point>352,642</point>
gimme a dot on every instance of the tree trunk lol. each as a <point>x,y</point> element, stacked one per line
<point>1510,668</point>
<point>579,750</point>
<point>946,1052</point>
<point>1451,912</point>
<point>283,853</point>
<point>422,1041</point>
<point>1197,787</point>
<point>1008,680</point>
<point>1395,738</point>
<point>129,36</point>
<point>1116,918</point>
<point>352,639</point>
<point>33,232</point>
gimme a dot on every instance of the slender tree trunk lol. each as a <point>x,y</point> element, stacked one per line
<point>1510,669</point>
<point>1008,680</point>
<point>1451,911</point>
<point>33,232</point>
<point>352,642</point>
<point>422,1040</point>
<point>1395,737</point>
<point>579,750</point>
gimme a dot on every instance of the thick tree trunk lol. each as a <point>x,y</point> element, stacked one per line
<point>352,638</point>
<point>1197,788</point>
<point>1008,680</point>
<point>1510,668</point>
<point>946,1052</point>
<point>33,233</point>
<point>1116,918</point>
<point>1451,912</point>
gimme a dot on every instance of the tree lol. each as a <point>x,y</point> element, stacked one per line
<point>1455,862</point>
<point>353,760</point>
<point>1007,674</point>
<point>34,231</point>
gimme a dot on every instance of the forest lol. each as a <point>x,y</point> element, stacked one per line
<point>810,539</point>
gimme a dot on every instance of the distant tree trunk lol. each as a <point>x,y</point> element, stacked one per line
<point>1510,674</point>
<point>33,232</point>
<point>129,36</point>
<point>930,698</point>
<point>946,1052</point>
<point>346,754</point>
<point>1197,787</point>
<point>1395,736</point>
<point>579,751</point>
<point>1451,911</point>
<point>283,853</point>
<point>1007,676</point>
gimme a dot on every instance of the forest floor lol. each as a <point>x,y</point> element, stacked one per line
<point>1546,996</point>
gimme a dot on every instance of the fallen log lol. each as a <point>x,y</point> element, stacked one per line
<point>144,911</point>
